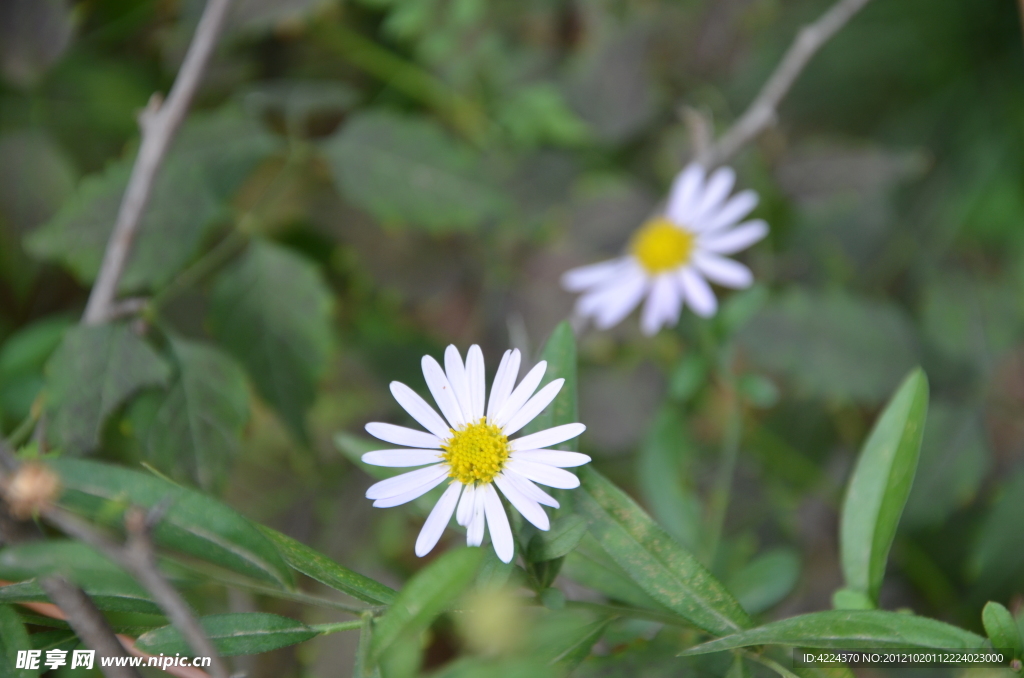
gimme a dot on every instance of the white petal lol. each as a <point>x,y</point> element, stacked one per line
<point>444,394</point>
<point>685,190</point>
<point>533,407</point>
<point>735,239</point>
<point>475,531</point>
<point>400,458</point>
<point>393,487</point>
<point>553,457</point>
<point>544,474</point>
<point>613,302</point>
<point>455,370</point>
<point>400,435</point>
<point>584,277</point>
<point>527,487</point>
<point>698,293</point>
<point>504,380</point>
<point>420,410</point>
<point>663,305</point>
<point>438,519</point>
<point>521,394</point>
<point>719,184</point>
<point>547,437</point>
<point>738,206</point>
<point>725,272</point>
<point>465,512</point>
<point>477,386</point>
<point>409,495</point>
<point>530,509</point>
<point>497,524</point>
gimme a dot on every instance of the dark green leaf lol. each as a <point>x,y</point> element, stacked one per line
<point>194,524</point>
<point>567,649</point>
<point>13,638</point>
<point>424,597</point>
<point>406,170</point>
<point>998,554</point>
<point>653,560</point>
<point>272,310</point>
<point>1001,628</point>
<point>837,629</point>
<point>95,369</point>
<point>321,568</point>
<point>22,358</point>
<point>114,593</point>
<point>565,533</point>
<point>766,580</point>
<point>590,566</point>
<point>196,431</point>
<point>880,484</point>
<point>232,634</point>
<point>55,640</point>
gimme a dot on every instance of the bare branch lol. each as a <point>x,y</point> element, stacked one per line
<point>763,111</point>
<point>158,121</point>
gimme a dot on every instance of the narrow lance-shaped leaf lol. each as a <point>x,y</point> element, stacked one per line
<point>232,634</point>
<point>653,560</point>
<point>194,524</point>
<point>13,639</point>
<point>849,629</point>
<point>424,597</point>
<point>880,485</point>
<point>1002,629</point>
<point>113,594</point>
<point>321,568</point>
<point>95,369</point>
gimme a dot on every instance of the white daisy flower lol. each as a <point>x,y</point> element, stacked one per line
<point>472,451</point>
<point>672,257</point>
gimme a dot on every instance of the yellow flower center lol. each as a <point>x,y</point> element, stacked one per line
<point>476,453</point>
<point>660,245</point>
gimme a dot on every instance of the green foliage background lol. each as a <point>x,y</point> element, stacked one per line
<point>362,183</point>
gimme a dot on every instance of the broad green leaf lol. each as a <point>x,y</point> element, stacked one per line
<point>766,580</point>
<point>194,524</point>
<point>565,533</point>
<point>493,573</point>
<point>95,369</point>
<point>564,639</point>
<point>560,354</point>
<point>832,345</point>
<point>1001,628</point>
<point>232,634</point>
<point>424,597</point>
<point>22,357</point>
<point>998,553</point>
<point>653,560</point>
<point>838,629</point>
<point>406,170</point>
<point>662,465</point>
<point>36,176</point>
<point>13,638</point>
<point>196,430</point>
<point>113,593</point>
<point>880,484</point>
<point>321,568</point>
<point>272,310</point>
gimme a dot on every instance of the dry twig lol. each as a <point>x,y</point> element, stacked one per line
<point>763,112</point>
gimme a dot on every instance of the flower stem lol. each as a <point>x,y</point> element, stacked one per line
<point>334,627</point>
<point>729,452</point>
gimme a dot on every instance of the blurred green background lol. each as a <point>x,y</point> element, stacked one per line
<point>362,183</point>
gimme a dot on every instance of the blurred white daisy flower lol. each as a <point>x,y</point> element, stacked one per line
<point>672,257</point>
<point>471,449</point>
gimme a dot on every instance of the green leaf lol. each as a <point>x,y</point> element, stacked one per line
<point>839,629</point>
<point>880,484</point>
<point>569,647</point>
<point>194,524</point>
<point>115,594</point>
<point>589,568</point>
<point>424,597</point>
<point>13,638</point>
<point>766,580</point>
<point>65,556</point>
<point>233,634</point>
<point>95,369</point>
<point>272,310</point>
<point>565,533</point>
<point>560,354</point>
<point>406,170</point>
<point>196,430</point>
<point>832,345</point>
<point>998,553</point>
<point>1001,628</point>
<point>662,465</point>
<point>22,357</point>
<point>488,667</point>
<point>653,560</point>
<point>848,599</point>
<point>321,568</point>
